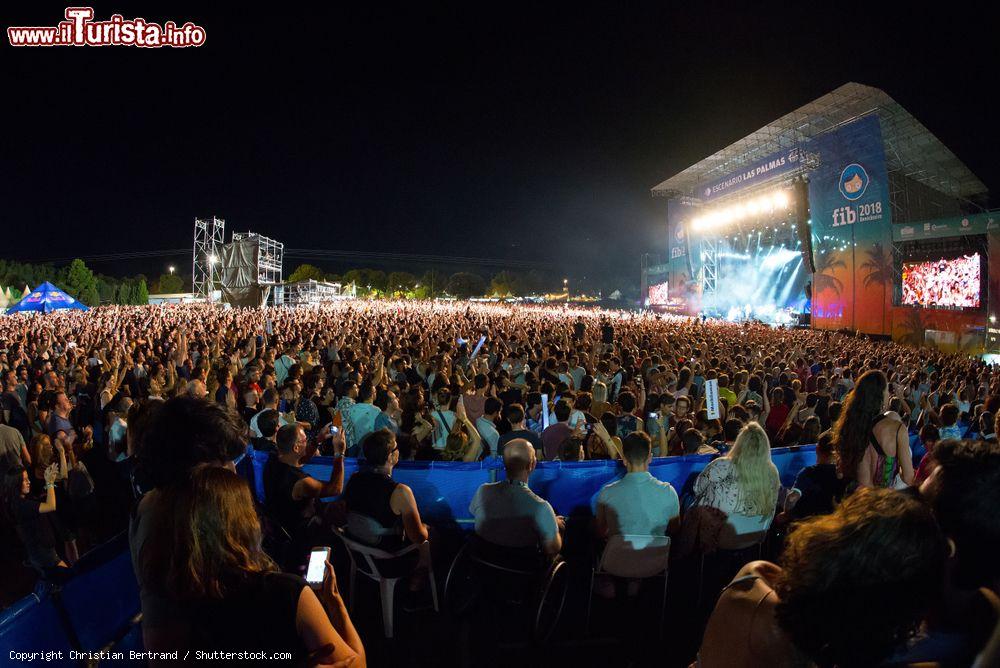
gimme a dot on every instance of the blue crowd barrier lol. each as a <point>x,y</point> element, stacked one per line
<point>789,461</point>
<point>443,490</point>
<point>33,624</point>
<point>103,602</point>
<point>93,609</point>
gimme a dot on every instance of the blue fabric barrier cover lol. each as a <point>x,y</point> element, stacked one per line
<point>444,490</point>
<point>571,486</point>
<point>32,625</point>
<point>680,472</point>
<point>102,602</point>
<point>790,461</point>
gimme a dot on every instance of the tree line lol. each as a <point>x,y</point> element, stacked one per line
<point>433,283</point>
<point>80,282</point>
<point>93,288</point>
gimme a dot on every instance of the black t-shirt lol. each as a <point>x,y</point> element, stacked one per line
<point>820,488</point>
<point>607,333</point>
<point>512,395</point>
<point>261,444</point>
<point>233,623</point>
<point>35,531</point>
<point>279,479</point>
<point>529,436</point>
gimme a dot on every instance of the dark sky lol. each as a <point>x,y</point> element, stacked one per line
<point>483,129</point>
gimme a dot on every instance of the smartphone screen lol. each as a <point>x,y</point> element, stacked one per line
<point>317,565</point>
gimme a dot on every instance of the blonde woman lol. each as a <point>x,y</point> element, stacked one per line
<point>743,485</point>
<point>600,405</point>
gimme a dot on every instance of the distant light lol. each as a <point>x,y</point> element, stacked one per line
<point>993,318</point>
<point>212,259</point>
<point>171,268</point>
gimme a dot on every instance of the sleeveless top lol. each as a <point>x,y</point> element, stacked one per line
<point>279,480</point>
<point>886,467</point>
<point>627,424</point>
<point>368,493</point>
<point>257,614</point>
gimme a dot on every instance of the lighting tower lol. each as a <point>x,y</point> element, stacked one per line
<point>209,236</point>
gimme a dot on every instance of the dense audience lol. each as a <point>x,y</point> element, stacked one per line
<point>877,558</point>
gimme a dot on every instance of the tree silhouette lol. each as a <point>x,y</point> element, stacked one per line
<point>879,271</point>
<point>827,261</point>
<point>914,327</point>
<point>305,272</point>
<point>506,284</point>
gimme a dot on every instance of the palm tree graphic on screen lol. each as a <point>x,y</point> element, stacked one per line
<point>878,268</point>
<point>827,261</point>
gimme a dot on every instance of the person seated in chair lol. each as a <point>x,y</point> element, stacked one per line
<point>510,516</point>
<point>290,492</point>
<point>381,512</point>
<point>635,514</point>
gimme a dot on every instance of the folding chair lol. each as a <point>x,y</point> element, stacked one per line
<point>620,560</point>
<point>363,561</point>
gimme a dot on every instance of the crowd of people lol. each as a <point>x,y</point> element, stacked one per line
<point>953,283</point>
<point>879,560</point>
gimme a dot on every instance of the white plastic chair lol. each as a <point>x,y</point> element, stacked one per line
<point>387,585</point>
<point>627,563</point>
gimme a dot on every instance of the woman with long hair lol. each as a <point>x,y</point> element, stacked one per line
<point>31,516</point>
<point>851,588</point>
<point>683,387</point>
<point>208,558</point>
<point>744,485</point>
<point>600,405</point>
<point>873,445</point>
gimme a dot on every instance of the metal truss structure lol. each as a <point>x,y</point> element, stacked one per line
<point>209,235</point>
<point>312,293</point>
<point>927,180</point>
<point>709,267</point>
<point>269,258</point>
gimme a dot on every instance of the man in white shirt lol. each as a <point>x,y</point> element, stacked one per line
<point>486,424</point>
<point>362,418</point>
<point>269,401</point>
<point>636,513</point>
<point>509,514</point>
<point>282,365</point>
<point>576,371</point>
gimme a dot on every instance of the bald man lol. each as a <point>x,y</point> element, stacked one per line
<point>510,515</point>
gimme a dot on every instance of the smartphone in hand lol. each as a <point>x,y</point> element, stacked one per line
<point>317,566</point>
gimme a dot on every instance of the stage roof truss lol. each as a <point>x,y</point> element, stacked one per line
<point>910,148</point>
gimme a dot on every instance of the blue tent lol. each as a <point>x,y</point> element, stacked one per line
<point>45,299</point>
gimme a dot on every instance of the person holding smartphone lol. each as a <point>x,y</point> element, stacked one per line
<point>210,560</point>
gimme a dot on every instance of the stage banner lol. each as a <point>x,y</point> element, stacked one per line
<point>941,228</point>
<point>851,227</point>
<point>238,273</point>
<point>776,164</point>
<point>679,258</point>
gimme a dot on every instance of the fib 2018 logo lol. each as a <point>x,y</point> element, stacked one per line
<point>852,185</point>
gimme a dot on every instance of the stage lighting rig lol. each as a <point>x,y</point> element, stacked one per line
<point>776,202</point>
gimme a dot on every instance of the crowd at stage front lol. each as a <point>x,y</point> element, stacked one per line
<point>883,552</point>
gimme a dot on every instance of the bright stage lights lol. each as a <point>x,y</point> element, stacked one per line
<point>772,202</point>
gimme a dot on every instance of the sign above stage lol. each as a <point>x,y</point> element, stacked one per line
<point>943,228</point>
<point>783,162</point>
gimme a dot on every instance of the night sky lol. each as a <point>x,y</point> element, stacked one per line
<point>485,129</point>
